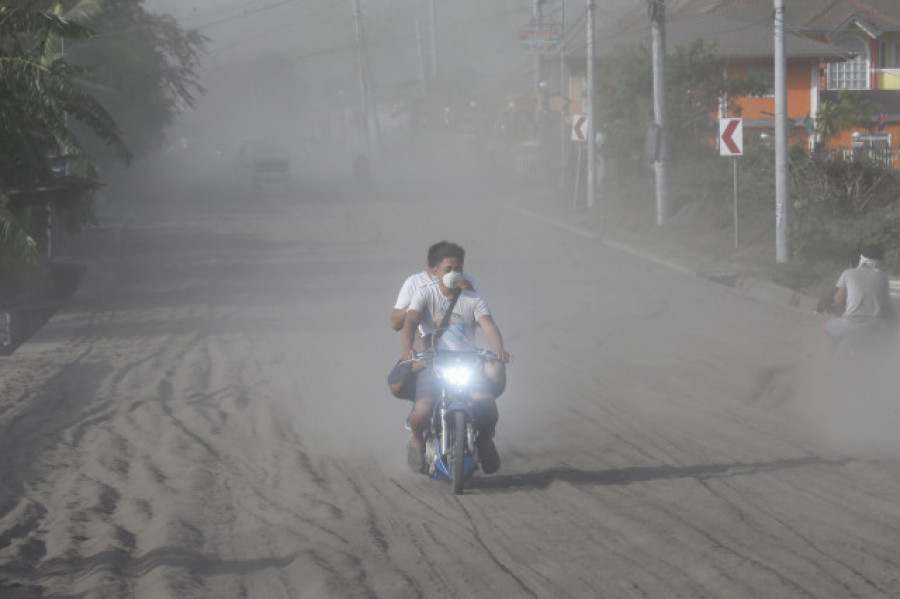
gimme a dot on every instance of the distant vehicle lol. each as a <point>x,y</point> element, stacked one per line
<point>264,164</point>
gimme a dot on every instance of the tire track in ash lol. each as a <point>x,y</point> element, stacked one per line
<point>74,409</point>
<point>825,570</point>
<point>94,464</point>
<point>738,536</point>
<point>105,493</point>
<point>378,534</point>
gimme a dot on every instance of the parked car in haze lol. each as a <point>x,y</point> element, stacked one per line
<point>263,164</point>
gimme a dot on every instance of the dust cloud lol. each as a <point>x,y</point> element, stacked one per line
<point>418,121</point>
<point>209,416</point>
<point>437,127</point>
<point>848,400</point>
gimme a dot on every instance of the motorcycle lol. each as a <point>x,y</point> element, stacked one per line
<point>863,344</point>
<point>450,448</point>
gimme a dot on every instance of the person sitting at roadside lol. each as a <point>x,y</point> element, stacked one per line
<point>862,299</point>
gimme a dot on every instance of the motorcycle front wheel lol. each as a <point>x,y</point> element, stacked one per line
<point>458,452</point>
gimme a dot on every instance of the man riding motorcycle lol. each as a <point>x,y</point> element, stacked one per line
<point>427,309</point>
<point>401,380</point>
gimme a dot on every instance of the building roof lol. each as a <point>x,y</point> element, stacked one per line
<point>731,38</point>
<point>805,15</point>
<point>746,39</point>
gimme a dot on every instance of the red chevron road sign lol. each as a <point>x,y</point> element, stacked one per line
<point>731,137</point>
<point>579,127</point>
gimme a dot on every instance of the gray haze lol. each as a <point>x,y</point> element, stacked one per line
<point>207,416</point>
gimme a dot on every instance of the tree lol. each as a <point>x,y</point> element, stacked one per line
<point>695,87</point>
<point>849,111</point>
<point>68,66</point>
<point>143,67</point>
<point>38,97</point>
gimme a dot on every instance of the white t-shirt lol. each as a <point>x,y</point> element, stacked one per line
<point>422,279</point>
<point>867,290</point>
<point>460,334</point>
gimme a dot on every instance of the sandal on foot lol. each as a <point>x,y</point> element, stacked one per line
<point>415,458</point>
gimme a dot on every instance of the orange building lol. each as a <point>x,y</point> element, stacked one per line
<point>831,45</point>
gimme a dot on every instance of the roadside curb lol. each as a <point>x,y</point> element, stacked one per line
<point>727,275</point>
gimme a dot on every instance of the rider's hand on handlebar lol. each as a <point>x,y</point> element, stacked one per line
<point>505,357</point>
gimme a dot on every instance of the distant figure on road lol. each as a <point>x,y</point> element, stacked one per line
<point>361,172</point>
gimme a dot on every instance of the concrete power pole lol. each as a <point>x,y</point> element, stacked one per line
<point>589,92</point>
<point>421,50</point>
<point>363,85</point>
<point>537,22</point>
<point>782,183</point>
<point>368,106</point>
<point>434,41</point>
<point>657,10</point>
<point>563,94</point>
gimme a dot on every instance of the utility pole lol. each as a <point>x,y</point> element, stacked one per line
<point>537,23</point>
<point>657,10</point>
<point>368,107</point>
<point>421,50</point>
<point>782,189</point>
<point>363,87</point>
<point>434,41</point>
<point>591,136</point>
<point>563,95</point>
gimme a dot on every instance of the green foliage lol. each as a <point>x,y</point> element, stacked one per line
<point>837,204</point>
<point>143,67</point>
<point>624,103</point>
<point>624,109</point>
<point>38,97</point>
<point>850,111</point>
<point>841,204</point>
<point>66,68</point>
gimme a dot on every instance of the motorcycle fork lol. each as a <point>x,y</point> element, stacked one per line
<point>445,438</point>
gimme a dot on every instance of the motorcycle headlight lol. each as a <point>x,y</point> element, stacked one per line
<point>456,375</point>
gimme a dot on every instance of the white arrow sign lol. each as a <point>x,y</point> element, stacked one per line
<point>579,127</point>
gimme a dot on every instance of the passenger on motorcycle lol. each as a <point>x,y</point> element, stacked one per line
<point>397,381</point>
<point>427,309</point>
<point>862,300</point>
<point>422,279</point>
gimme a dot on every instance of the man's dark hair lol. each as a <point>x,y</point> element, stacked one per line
<point>445,249</point>
<point>873,251</point>
<point>432,253</point>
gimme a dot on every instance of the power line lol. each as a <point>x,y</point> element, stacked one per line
<point>238,5</point>
<point>245,14</point>
<point>282,26</point>
<point>376,42</point>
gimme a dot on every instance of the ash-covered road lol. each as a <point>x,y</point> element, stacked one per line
<point>208,417</point>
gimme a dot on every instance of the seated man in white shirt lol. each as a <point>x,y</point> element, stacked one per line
<point>862,298</point>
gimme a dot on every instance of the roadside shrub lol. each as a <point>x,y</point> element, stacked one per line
<point>838,205</point>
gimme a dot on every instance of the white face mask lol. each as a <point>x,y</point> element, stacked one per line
<point>452,280</point>
<point>863,261</point>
